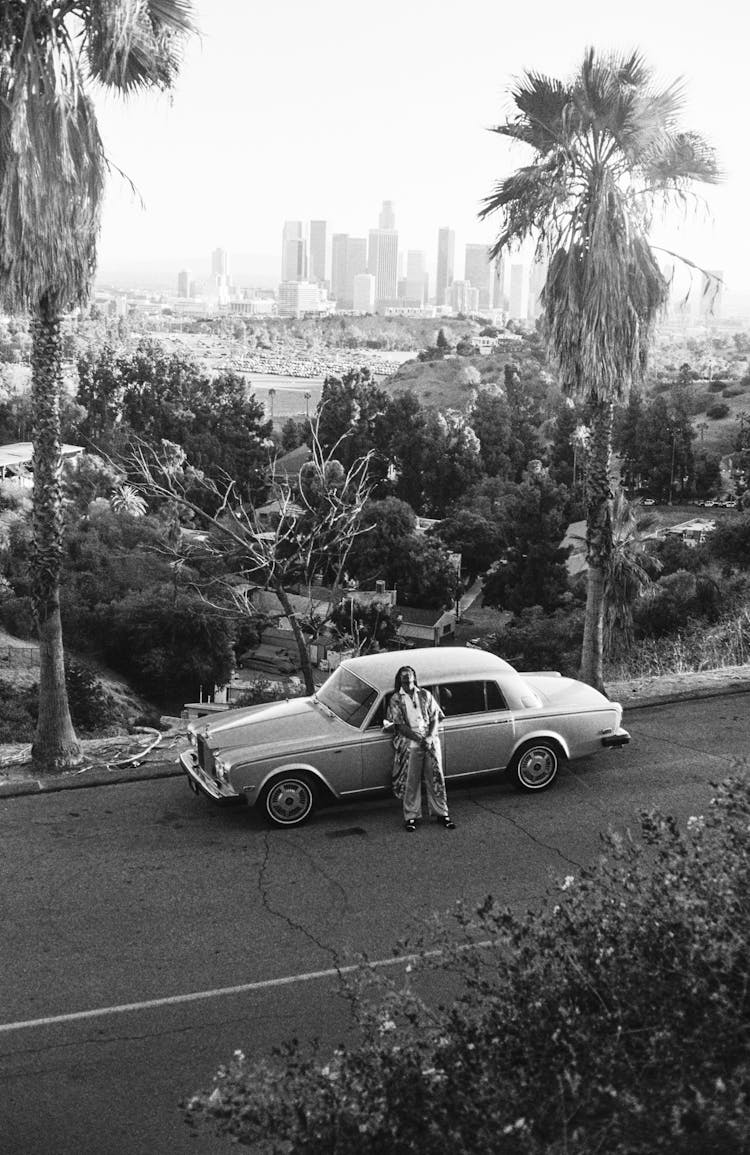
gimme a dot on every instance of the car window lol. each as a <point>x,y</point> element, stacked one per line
<point>470,698</point>
<point>347,696</point>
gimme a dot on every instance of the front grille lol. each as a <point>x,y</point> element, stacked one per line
<point>205,756</point>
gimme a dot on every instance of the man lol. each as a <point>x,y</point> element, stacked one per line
<point>414,715</point>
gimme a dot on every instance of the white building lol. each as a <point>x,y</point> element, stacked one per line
<point>364,293</point>
<point>298,297</point>
<point>477,270</point>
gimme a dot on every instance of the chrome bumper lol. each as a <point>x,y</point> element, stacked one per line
<point>621,738</point>
<point>200,781</point>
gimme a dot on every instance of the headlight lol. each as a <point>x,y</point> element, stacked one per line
<point>221,770</point>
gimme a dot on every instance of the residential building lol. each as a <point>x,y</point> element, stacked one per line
<point>293,252</point>
<point>445,261</point>
<point>318,251</point>
<point>477,270</point>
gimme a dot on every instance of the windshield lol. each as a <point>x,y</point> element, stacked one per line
<point>347,696</point>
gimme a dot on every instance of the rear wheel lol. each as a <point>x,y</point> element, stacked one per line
<point>289,799</point>
<point>535,765</point>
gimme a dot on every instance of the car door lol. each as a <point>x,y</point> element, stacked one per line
<point>478,729</point>
<point>377,750</point>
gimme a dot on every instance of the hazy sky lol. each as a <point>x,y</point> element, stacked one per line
<point>295,110</point>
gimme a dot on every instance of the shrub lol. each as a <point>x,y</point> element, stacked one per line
<point>535,640</point>
<point>673,601</point>
<point>615,1019</point>
<point>717,411</point>
<point>17,616</point>
<point>731,392</point>
<point>17,715</point>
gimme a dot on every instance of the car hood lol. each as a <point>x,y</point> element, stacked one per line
<point>566,692</point>
<point>299,724</point>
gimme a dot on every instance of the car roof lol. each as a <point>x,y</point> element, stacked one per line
<point>428,664</point>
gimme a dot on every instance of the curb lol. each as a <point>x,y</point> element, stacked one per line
<point>98,776</point>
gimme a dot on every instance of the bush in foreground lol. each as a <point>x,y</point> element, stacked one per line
<point>615,1020</point>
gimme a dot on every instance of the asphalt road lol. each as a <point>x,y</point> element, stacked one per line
<point>118,896</point>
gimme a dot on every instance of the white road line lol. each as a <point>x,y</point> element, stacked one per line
<point>220,992</point>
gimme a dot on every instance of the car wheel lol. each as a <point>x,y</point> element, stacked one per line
<point>535,765</point>
<point>289,799</point>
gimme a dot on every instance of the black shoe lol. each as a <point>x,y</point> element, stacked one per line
<point>448,823</point>
<point>410,824</point>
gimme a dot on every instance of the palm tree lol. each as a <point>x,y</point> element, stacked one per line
<point>607,151</point>
<point>52,172</point>
<point>271,396</point>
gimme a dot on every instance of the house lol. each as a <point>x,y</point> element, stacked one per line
<point>16,458</point>
<point>692,533</point>
<point>285,470</point>
<point>426,627</point>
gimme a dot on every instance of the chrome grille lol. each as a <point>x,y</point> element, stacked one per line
<point>205,756</point>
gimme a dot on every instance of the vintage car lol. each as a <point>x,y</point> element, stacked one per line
<point>288,757</point>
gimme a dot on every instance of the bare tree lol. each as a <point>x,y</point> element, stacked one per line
<point>308,534</point>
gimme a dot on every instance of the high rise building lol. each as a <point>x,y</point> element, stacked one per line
<point>364,293</point>
<point>477,270</point>
<point>382,264</point>
<point>463,297</point>
<point>293,252</point>
<point>184,278</point>
<point>318,251</point>
<point>338,268</point>
<point>518,293</point>
<point>387,219</point>
<point>356,263</point>
<point>445,259</point>
<point>219,263</point>
<point>416,276</point>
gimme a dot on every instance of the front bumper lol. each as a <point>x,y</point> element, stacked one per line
<point>202,782</point>
<point>620,738</point>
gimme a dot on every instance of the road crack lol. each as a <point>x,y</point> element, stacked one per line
<point>519,826</point>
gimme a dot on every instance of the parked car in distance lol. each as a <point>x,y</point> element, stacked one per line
<point>289,757</point>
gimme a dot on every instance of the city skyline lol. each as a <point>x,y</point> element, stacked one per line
<point>252,138</point>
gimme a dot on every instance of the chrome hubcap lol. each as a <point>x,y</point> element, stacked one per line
<point>289,801</point>
<point>537,767</point>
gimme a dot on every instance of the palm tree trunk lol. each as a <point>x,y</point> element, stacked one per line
<point>598,542</point>
<point>55,745</point>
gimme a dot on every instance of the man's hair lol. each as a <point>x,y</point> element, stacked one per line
<point>397,683</point>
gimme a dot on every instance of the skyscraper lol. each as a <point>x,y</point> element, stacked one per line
<point>518,294</point>
<point>477,272</point>
<point>183,283</point>
<point>445,258</point>
<point>293,252</point>
<point>338,269</point>
<point>387,219</point>
<point>318,251</point>
<point>416,276</point>
<point>219,263</point>
<point>356,263</point>
<point>382,264</point>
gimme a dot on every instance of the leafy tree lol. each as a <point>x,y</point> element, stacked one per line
<point>408,447</point>
<point>52,170</point>
<point>425,575</point>
<point>375,555</point>
<point>730,543</point>
<point>453,463</point>
<point>531,570</point>
<point>478,540</point>
<point>718,411</point>
<point>350,419</point>
<point>292,434</point>
<point>605,147</point>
